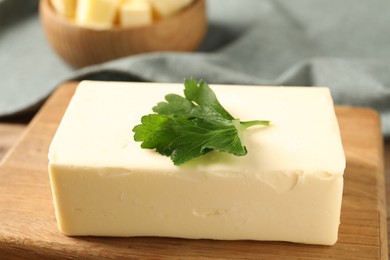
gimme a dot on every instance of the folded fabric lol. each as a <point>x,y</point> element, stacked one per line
<point>344,45</point>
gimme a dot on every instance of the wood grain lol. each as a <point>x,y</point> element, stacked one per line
<point>28,225</point>
<point>79,47</point>
<point>9,133</point>
<point>387,177</point>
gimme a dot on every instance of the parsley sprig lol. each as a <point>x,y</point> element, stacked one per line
<point>187,127</point>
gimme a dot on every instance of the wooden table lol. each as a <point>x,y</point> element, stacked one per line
<point>11,131</point>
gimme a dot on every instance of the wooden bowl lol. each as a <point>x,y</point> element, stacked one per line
<point>80,47</point>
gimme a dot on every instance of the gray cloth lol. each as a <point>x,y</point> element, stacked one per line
<point>344,45</point>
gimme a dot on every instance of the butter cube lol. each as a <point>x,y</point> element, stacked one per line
<point>168,7</point>
<point>288,187</point>
<point>96,14</point>
<point>66,8</point>
<point>135,13</point>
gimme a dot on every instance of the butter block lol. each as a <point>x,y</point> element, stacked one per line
<point>166,8</point>
<point>96,14</point>
<point>135,13</point>
<point>287,188</point>
<point>66,8</point>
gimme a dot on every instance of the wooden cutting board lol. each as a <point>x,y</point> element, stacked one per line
<point>28,225</point>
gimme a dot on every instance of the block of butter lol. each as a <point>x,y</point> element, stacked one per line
<point>96,14</point>
<point>166,8</point>
<point>135,13</point>
<point>66,8</point>
<point>287,188</point>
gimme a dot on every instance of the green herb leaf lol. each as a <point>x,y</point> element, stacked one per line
<point>204,97</point>
<point>187,127</point>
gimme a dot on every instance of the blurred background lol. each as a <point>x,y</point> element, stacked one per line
<point>344,45</point>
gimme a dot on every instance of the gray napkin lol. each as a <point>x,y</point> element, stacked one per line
<point>344,45</point>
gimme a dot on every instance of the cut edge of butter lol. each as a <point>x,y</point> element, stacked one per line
<point>96,14</point>
<point>135,13</point>
<point>166,8</point>
<point>66,8</point>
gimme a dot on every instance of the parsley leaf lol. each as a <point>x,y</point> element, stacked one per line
<point>187,127</point>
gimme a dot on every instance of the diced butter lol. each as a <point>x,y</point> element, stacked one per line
<point>65,7</point>
<point>96,14</point>
<point>288,187</point>
<point>168,7</point>
<point>135,13</point>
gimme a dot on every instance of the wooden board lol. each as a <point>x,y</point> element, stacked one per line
<point>28,225</point>
<point>9,133</point>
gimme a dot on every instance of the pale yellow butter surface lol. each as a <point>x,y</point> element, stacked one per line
<point>288,187</point>
<point>96,14</point>
<point>135,13</point>
<point>66,8</point>
<point>168,7</point>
